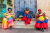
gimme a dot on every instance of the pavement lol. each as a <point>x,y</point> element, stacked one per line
<point>23,30</point>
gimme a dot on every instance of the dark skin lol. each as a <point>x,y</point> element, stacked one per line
<point>39,12</point>
<point>9,11</point>
<point>43,14</point>
<point>26,9</point>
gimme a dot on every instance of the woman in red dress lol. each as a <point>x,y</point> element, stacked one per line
<point>27,17</point>
<point>42,21</point>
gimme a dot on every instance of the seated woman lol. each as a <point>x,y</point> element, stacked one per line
<point>27,16</point>
<point>8,19</point>
<point>42,20</point>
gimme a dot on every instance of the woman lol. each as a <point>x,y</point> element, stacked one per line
<point>42,20</point>
<point>27,17</point>
<point>8,19</point>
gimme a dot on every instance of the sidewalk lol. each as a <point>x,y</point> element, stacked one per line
<point>23,30</point>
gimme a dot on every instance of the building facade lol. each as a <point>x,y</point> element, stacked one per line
<point>39,4</point>
<point>34,5</point>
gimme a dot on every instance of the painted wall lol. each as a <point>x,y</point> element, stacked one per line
<point>3,10</point>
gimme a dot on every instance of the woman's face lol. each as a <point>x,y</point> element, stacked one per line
<point>39,12</point>
<point>9,11</point>
<point>26,9</point>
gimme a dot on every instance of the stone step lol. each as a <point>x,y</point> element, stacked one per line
<point>32,22</point>
<point>23,23</point>
<point>23,26</point>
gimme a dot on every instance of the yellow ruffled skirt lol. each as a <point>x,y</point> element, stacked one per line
<point>5,24</point>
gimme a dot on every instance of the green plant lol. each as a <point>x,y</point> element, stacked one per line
<point>1,1</point>
<point>9,2</point>
<point>1,9</point>
<point>1,18</point>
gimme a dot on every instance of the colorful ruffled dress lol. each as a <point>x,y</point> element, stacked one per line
<point>41,21</point>
<point>27,17</point>
<point>8,20</point>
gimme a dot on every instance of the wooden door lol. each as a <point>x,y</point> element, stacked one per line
<point>20,5</point>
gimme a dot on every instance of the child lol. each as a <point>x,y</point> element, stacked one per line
<point>42,20</point>
<point>27,16</point>
<point>8,19</point>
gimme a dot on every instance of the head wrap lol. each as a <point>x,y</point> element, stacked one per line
<point>9,9</point>
<point>39,10</point>
<point>27,7</point>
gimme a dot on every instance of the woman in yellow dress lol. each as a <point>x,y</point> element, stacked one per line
<point>42,21</point>
<point>8,19</point>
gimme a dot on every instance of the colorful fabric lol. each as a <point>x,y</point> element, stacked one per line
<point>42,13</point>
<point>27,7</point>
<point>27,19</point>
<point>10,20</point>
<point>41,18</point>
<point>39,10</point>
<point>29,16</point>
<point>8,15</point>
<point>41,21</point>
<point>9,9</point>
<point>46,17</point>
<point>26,12</point>
<point>10,24</point>
<point>4,23</point>
<point>43,24</point>
<point>7,21</point>
<point>45,21</point>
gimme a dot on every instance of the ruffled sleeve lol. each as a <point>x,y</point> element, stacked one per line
<point>12,15</point>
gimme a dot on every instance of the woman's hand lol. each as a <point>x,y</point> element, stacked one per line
<point>5,15</point>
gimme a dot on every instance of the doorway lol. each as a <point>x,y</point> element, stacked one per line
<point>20,5</point>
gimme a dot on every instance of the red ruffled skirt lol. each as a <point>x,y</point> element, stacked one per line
<point>43,24</point>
